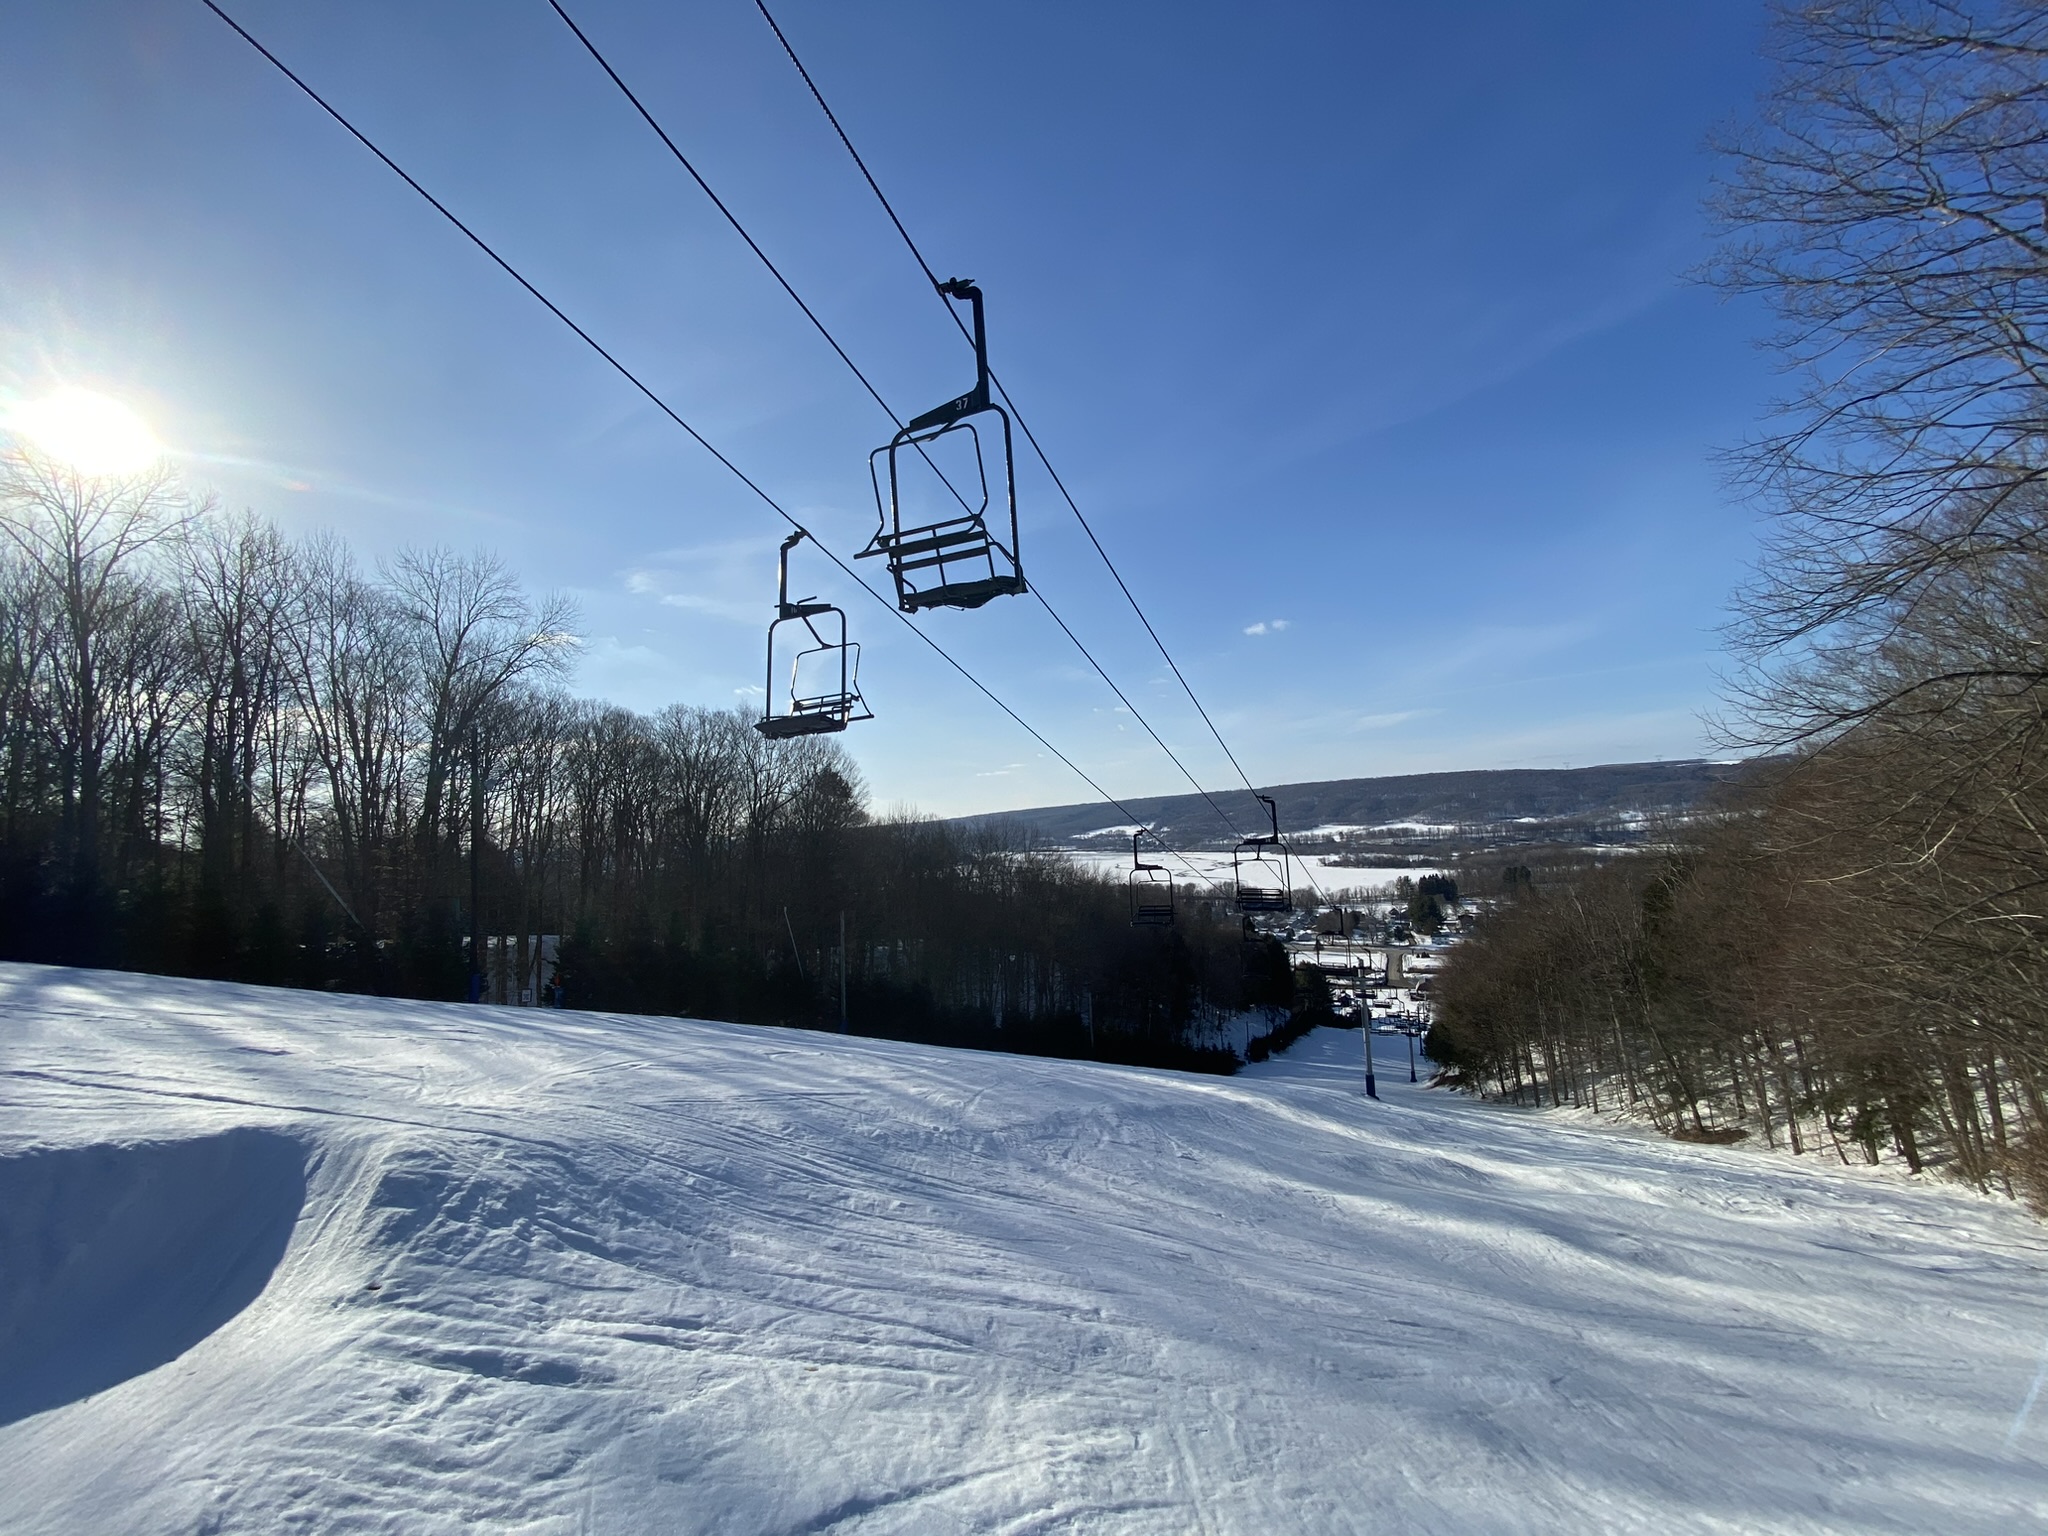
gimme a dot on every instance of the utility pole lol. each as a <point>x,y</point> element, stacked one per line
<point>1372,1089</point>
<point>476,837</point>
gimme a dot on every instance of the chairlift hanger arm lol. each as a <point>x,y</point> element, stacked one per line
<point>782,574</point>
<point>977,398</point>
<point>804,607</point>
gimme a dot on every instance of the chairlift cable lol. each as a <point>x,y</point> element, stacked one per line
<point>741,230</point>
<point>1029,436</point>
<point>1113,688</point>
<point>833,118</point>
<point>775,272</point>
<point>662,405</point>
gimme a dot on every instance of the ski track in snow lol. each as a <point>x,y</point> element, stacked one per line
<point>652,1275</point>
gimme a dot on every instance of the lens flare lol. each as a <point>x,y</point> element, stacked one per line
<point>91,433</point>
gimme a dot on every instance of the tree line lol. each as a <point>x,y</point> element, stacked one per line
<point>1849,955</point>
<point>228,753</point>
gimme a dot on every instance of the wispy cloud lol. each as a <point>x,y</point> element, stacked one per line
<point>1268,626</point>
<point>300,481</point>
<point>611,668</point>
<point>1390,719</point>
<point>1493,646</point>
<point>731,580</point>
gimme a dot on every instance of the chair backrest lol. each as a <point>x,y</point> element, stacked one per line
<point>1151,900</point>
<point>1258,868</point>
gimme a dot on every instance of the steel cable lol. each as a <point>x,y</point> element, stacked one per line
<point>1023,425</point>
<point>667,410</point>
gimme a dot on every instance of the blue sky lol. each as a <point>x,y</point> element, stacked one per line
<point>1361,332</point>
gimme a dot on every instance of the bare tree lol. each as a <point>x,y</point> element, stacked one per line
<point>149,700</point>
<point>237,588</point>
<point>27,643</point>
<point>83,540</point>
<point>353,682</point>
<point>473,631</point>
<point>530,732</point>
<point>181,695</point>
<point>1892,205</point>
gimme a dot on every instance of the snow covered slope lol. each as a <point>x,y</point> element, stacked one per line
<point>272,1261</point>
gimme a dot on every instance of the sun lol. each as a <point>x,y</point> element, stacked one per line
<point>89,432</point>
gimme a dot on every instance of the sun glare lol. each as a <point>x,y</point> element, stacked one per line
<point>90,432</point>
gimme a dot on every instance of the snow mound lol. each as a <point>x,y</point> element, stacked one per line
<point>117,1259</point>
<point>574,1273</point>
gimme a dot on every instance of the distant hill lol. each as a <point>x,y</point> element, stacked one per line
<point>1467,798</point>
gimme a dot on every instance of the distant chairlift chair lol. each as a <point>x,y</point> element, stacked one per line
<point>1259,867</point>
<point>954,562</point>
<point>1151,891</point>
<point>829,666</point>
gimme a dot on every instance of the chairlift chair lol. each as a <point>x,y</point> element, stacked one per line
<point>833,701</point>
<point>955,561</point>
<point>1259,869</point>
<point>1151,890</point>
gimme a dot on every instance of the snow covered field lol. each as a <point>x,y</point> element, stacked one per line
<point>272,1261</point>
<point>1214,868</point>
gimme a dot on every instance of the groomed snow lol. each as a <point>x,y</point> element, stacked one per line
<point>1192,867</point>
<point>273,1261</point>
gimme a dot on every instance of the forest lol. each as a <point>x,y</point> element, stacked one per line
<point>1847,954</point>
<point>226,753</point>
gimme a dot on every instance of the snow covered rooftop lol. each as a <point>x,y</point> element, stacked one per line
<point>272,1260</point>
